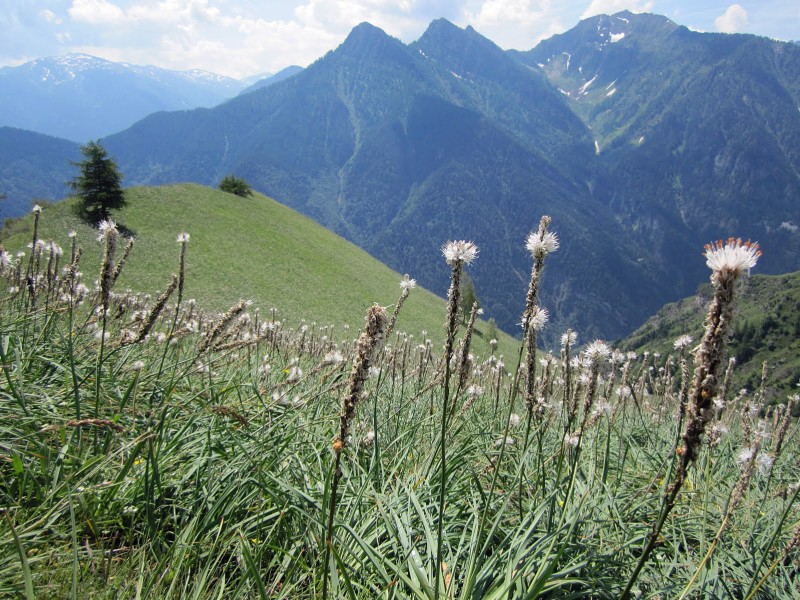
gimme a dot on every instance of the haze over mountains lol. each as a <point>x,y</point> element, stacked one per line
<point>643,140</point>
<point>80,97</point>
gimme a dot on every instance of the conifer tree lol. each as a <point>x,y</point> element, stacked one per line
<point>98,185</point>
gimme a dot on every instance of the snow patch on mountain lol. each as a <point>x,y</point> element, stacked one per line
<point>586,85</point>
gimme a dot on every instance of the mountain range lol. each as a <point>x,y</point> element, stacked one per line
<point>643,140</point>
<point>81,97</point>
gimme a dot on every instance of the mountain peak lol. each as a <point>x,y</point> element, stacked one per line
<point>370,43</point>
<point>444,40</point>
<point>441,30</point>
<point>440,26</point>
<point>364,35</point>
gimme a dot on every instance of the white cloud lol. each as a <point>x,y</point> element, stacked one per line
<point>609,7</point>
<point>518,24</point>
<point>50,16</point>
<point>733,20</point>
<point>96,12</point>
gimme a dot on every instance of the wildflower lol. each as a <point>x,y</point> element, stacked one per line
<point>715,434</point>
<point>460,252</point>
<point>624,392</point>
<point>598,351</point>
<point>745,456</point>
<point>514,420</point>
<point>72,234</point>
<point>334,357</point>
<point>764,463</point>
<point>5,260</point>
<point>682,342</point>
<point>602,407</point>
<point>137,365</point>
<point>107,229</point>
<point>36,209</point>
<point>295,374</point>
<point>571,439</point>
<point>474,391</point>
<point>369,439</point>
<point>733,256</point>
<point>539,317</point>
<point>569,337</point>
<point>540,244</point>
<point>407,283</point>
<point>183,238</point>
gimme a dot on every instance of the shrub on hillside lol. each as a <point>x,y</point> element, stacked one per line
<point>235,185</point>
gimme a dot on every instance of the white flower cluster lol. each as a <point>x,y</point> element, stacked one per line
<point>541,246</point>
<point>460,252</point>
<point>733,256</point>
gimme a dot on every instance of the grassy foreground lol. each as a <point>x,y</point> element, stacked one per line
<point>151,452</point>
<point>253,248</point>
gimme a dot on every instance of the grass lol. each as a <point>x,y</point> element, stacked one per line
<point>252,248</point>
<point>183,466</point>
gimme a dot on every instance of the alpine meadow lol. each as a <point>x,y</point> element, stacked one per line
<point>504,331</point>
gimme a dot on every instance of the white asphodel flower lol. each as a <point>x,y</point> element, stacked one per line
<point>734,256</point>
<point>183,237</point>
<point>539,247</point>
<point>460,252</point>
<point>538,318</point>
<point>598,351</point>
<point>569,337</point>
<point>407,283</point>
<point>682,342</point>
<point>106,225</point>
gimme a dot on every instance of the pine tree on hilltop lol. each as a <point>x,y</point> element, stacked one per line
<point>98,184</point>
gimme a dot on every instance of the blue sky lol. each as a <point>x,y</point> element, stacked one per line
<point>247,37</point>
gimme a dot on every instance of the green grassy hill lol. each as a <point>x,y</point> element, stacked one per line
<point>766,328</point>
<point>252,248</point>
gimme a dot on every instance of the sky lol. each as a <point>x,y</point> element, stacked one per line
<point>242,38</point>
